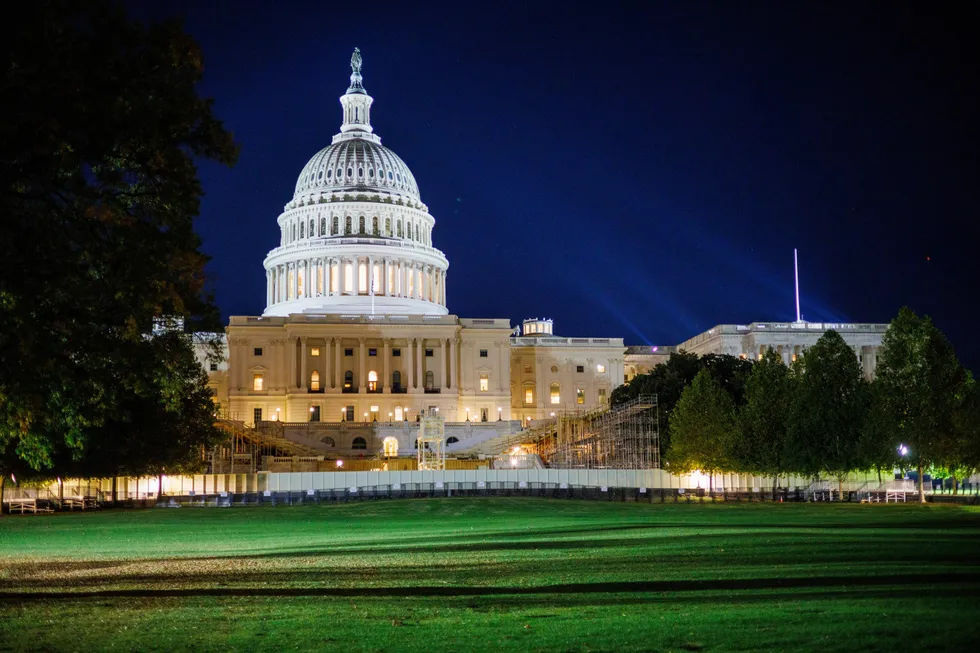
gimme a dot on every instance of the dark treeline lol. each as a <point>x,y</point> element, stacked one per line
<point>721,413</point>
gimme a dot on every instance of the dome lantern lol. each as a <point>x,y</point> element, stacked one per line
<point>357,106</point>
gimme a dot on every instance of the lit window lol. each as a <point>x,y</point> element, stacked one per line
<point>315,381</point>
<point>372,381</point>
<point>315,351</point>
<point>580,396</point>
<point>601,369</point>
<point>555,393</point>
<point>349,380</point>
<point>257,382</point>
<point>483,353</point>
<point>484,383</point>
<point>528,396</point>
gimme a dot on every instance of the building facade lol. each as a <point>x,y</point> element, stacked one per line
<point>357,331</point>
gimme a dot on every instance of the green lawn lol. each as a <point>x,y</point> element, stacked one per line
<point>508,574</point>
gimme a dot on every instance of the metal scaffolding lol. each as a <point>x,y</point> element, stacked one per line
<point>623,437</point>
<point>431,443</point>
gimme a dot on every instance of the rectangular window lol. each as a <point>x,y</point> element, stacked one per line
<point>257,385</point>
<point>580,396</point>
<point>580,368</point>
<point>428,353</point>
<point>602,396</point>
<point>484,382</point>
<point>601,369</point>
<point>349,413</point>
<point>314,413</point>
<point>315,351</point>
<point>528,396</point>
<point>256,415</point>
<point>396,352</point>
<point>348,352</point>
<point>214,367</point>
<point>527,369</point>
<point>372,352</point>
<point>483,353</point>
<point>257,351</point>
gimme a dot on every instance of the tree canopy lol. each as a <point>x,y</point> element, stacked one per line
<point>98,192</point>
<point>761,442</point>
<point>702,424</point>
<point>922,383</point>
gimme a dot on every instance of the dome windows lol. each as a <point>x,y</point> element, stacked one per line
<point>329,173</point>
<point>360,172</point>
<point>350,172</point>
<point>389,175</point>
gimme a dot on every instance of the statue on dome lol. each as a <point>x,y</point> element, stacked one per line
<point>355,60</point>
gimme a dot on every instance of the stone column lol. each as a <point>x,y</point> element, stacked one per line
<point>291,355</point>
<point>370,276</point>
<point>338,363</point>
<point>302,363</point>
<point>385,379</point>
<point>362,367</point>
<point>268,287</point>
<point>453,362</point>
<point>409,381</point>
<point>341,276</point>
<point>443,378</point>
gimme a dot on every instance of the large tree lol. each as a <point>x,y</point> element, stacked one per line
<point>98,194</point>
<point>669,379</point>
<point>827,411</point>
<point>703,425</point>
<point>922,383</point>
<point>760,443</point>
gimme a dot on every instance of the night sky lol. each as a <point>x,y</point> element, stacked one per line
<point>636,171</point>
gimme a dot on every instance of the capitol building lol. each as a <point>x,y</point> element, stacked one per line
<point>357,329</point>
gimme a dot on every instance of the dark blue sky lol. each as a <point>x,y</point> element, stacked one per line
<point>640,170</point>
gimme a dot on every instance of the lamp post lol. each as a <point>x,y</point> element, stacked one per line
<point>365,417</point>
<point>500,415</point>
<point>467,414</point>
<point>343,414</point>
<point>389,417</point>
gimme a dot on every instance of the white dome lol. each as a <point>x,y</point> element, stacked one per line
<point>358,165</point>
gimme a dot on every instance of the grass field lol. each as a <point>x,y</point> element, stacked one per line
<point>508,574</point>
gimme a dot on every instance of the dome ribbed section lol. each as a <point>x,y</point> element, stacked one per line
<point>357,165</point>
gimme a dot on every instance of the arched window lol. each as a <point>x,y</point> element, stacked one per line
<point>358,443</point>
<point>347,228</point>
<point>312,230</point>
<point>315,381</point>
<point>360,225</point>
<point>374,225</point>
<point>327,440</point>
<point>555,393</point>
<point>396,381</point>
<point>387,226</point>
<point>400,229</point>
<point>360,172</point>
<point>372,381</point>
<point>301,225</point>
<point>323,226</point>
<point>430,380</point>
<point>451,440</point>
<point>348,379</point>
<point>390,446</point>
<point>529,394</point>
<point>580,396</point>
<point>294,232</point>
<point>336,226</point>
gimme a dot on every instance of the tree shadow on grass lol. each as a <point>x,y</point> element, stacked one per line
<point>913,582</point>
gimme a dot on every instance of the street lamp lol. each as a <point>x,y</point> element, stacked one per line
<point>467,414</point>
<point>389,417</point>
<point>500,413</point>
<point>365,417</point>
<point>343,414</point>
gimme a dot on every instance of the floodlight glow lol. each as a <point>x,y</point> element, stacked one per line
<point>513,462</point>
<point>340,463</point>
<point>903,450</point>
<point>654,348</point>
